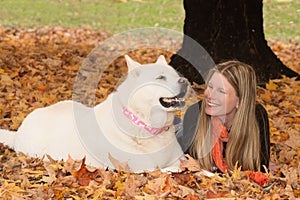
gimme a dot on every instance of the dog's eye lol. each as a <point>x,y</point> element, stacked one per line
<point>161,77</point>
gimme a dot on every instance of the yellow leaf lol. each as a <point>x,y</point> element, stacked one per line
<point>11,187</point>
<point>237,171</point>
<point>30,171</point>
<point>6,80</point>
<point>119,186</point>
<point>36,185</point>
<point>266,96</point>
<point>271,85</point>
<point>59,193</point>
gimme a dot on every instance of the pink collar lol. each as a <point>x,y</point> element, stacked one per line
<point>140,123</point>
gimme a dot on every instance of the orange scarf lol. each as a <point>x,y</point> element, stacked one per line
<point>220,135</point>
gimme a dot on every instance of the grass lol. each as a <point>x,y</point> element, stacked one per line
<point>110,15</point>
<point>281,17</point>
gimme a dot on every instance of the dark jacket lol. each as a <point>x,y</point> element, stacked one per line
<point>187,132</point>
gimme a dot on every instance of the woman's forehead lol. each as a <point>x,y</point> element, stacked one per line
<point>219,80</point>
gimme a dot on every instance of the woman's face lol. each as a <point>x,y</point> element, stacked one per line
<point>220,97</point>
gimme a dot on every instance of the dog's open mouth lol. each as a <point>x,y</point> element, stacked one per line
<point>177,101</point>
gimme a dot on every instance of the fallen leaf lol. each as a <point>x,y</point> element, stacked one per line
<point>212,195</point>
<point>41,88</point>
<point>271,85</point>
<point>83,175</point>
<point>293,140</point>
<point>190,164</point>
<point>38,67</point>
<point>119,165</point>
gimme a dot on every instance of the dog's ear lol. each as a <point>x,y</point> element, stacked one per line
<point>162,60</point>
<point>131,64</point>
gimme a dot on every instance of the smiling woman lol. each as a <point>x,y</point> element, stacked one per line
<point>221,97</point>
<point>231,128</point>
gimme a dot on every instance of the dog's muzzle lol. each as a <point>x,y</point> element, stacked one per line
<point>177,101</point>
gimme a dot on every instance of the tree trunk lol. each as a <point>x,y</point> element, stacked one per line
<point>227,29</point>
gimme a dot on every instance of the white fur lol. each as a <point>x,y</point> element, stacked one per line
<point>70,128</point>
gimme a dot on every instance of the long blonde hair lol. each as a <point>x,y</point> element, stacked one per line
<point>243,146</point>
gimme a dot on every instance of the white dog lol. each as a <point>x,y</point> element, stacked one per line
<point>134,124</point>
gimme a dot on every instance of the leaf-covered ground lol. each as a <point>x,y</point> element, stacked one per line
<point>38,67</point>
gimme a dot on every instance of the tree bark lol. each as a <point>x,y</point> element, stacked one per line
<point>227,29</point>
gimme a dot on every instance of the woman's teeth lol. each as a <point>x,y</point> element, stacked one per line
<point>212,104</point>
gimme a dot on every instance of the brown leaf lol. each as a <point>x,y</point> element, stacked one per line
<point>133,183</point>
<point>190,164</point>
<point>293,140</point>
<point>119,165</point>
<point>83,175</point>
<point>212,195</point>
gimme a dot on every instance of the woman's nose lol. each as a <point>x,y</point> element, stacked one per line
<point>211,93</point>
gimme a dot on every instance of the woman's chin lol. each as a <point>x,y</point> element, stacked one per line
<point>210,111</point>
<point>213,112</point>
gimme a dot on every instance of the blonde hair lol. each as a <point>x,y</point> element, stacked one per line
<point>243,146</point>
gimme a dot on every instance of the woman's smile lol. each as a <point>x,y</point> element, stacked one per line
<point>211,104</point>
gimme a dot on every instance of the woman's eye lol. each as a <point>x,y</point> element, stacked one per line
<point>161,77</point>
<point>222,91</point>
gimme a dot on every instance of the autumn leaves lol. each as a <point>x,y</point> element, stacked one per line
<point>38,67</point>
